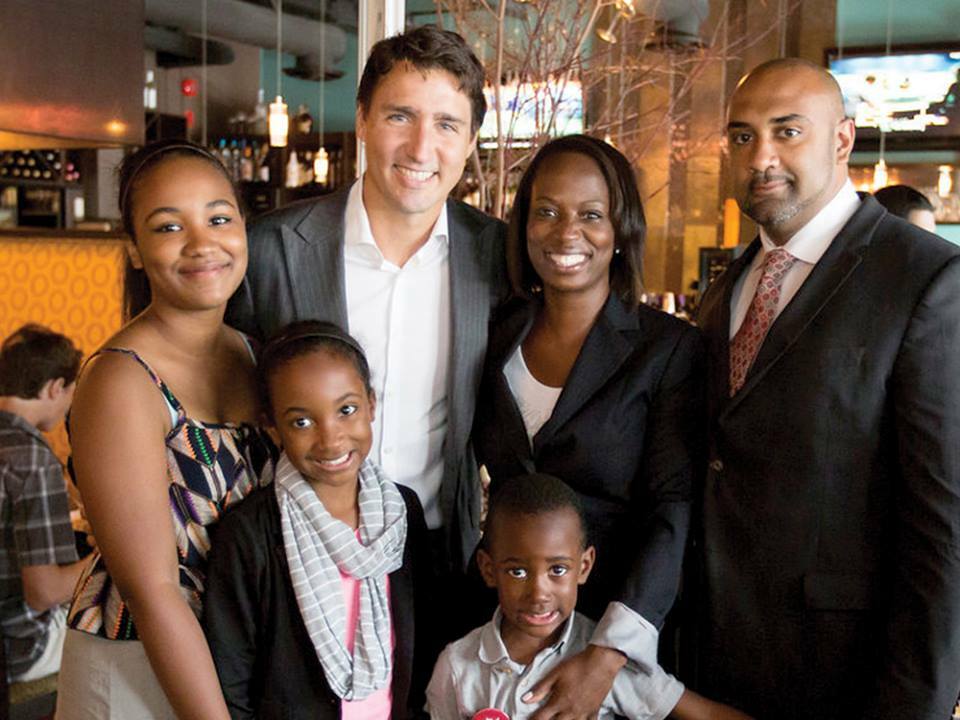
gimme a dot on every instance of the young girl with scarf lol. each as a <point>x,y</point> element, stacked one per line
<point>317,585</point>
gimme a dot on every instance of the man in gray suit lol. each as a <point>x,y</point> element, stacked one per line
<point>412,274</point>
<point>830,536</point>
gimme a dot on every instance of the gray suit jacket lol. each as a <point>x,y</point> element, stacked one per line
<point>296,272</point>
<point>830,536</point>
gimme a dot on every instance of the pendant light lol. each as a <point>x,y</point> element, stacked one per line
<point>278,121</point>
<point>203,73</point>
<point>880,175</point>
<point>944,180</point>
<point>321,163</point>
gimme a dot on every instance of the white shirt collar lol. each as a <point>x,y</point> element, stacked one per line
<point>357,227</point>
<point>811,241</point>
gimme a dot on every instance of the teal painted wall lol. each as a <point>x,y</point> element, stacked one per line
<point>339,96</point>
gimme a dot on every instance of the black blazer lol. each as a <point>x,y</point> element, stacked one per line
<point>831,512</point>
<point>267,665</point>
<point>295,272</point>
<point>625,435</point>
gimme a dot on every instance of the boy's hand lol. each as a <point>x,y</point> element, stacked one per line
<point>577,686</point>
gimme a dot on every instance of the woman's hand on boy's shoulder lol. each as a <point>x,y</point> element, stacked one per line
<point>576,687</point>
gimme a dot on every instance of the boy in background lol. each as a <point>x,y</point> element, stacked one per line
<point>38,558</point>
<point>535,555</point>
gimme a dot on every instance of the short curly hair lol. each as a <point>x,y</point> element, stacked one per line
<point>533,494</point>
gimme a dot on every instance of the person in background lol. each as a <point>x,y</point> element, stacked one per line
<point>412,273</point>
<point>829,577</point>
<point>38,560</point>
<point>535,553</point>
<point>584,383</point>
<point>319,587</point>
<point>912,205</point>
<point>164,438</point>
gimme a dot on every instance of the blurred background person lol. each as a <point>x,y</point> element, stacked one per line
<point>38,560</point>
<point>912,205</point>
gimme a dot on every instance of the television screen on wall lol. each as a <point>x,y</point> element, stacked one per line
<point>532,108</point>
<point>911,94</point>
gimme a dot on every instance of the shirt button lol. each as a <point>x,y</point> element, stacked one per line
<point>716,465</point>
<point>388,451</point>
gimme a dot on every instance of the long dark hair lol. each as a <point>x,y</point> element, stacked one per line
<point>136,287</point>
<point>626,215</point>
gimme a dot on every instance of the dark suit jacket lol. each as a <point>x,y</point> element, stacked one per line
<point>624,434</point>
<point>296,272</point>
<point>831,510</point>
<point>267,665</point>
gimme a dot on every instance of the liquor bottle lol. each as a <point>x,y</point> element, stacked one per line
<point>246,162</point>
<point>224,153</point>
<point>669,304</point>
<point>150,92</point>
<point>293,171</point>
<point>234,166</point>
<point>262,154</point>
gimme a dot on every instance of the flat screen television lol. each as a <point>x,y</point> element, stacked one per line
<point>530,108</point>
<point>911,93</point>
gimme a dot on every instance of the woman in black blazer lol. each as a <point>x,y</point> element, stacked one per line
<point>584,383</point>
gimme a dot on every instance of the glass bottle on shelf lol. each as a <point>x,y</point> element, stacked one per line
<point>246,162</point>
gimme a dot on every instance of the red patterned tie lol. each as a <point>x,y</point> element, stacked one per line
<point>746,343</point>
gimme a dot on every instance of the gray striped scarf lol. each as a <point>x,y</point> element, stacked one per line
<point>318,548</point>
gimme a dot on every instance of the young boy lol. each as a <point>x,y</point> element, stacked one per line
<point>535,555</point>
<point>38,559</point>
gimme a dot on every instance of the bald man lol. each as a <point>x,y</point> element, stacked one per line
<point>830,533</point>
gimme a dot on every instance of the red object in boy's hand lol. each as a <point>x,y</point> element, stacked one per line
<point>491,714</point>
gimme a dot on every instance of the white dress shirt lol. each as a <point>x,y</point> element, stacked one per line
<point>401,317</point>
<point>808,245</point>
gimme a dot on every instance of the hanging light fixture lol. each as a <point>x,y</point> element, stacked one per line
<point>607,34</point>
<point>203,73</point>
<point>626,9</point>
<point>880,175</point>
<point>278,121</point>
<point>321,162</point>
<point>945,180</point>
<point>881,178</point>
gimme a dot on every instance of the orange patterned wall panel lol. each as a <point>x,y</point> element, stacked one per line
<point>71,286</point>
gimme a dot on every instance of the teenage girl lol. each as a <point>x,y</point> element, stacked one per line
<point>311,590</point>
<point>163,439</point>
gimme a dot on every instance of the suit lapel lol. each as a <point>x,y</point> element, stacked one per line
<point>504,342</point>
<point>314,249</point>
<point>469,316</point>
<point>602,354</point>
<point>828,276</point>
<point>714,318</point>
